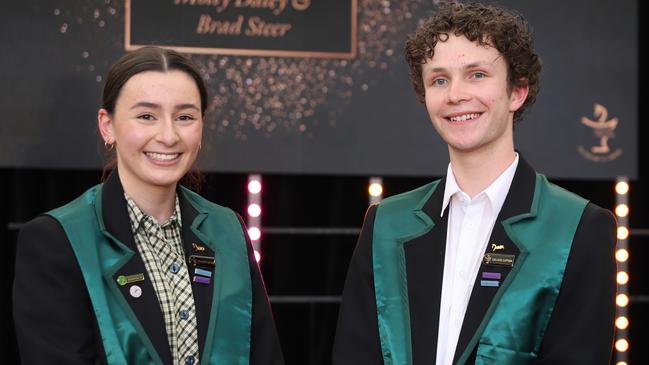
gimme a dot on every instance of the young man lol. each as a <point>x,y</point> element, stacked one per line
<point>492,264</point>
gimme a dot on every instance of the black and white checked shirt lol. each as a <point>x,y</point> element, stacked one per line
<point>161,248</point>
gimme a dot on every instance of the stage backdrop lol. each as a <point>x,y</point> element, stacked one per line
<point>311,86</point>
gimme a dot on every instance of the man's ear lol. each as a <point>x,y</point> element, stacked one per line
<point>105,125</point>
<point>518,96</point>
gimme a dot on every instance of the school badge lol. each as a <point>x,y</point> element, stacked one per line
<point>604,130</point>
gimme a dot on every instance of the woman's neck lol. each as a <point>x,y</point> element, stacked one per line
<point>157,201</point>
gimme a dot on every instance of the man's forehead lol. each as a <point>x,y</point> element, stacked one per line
<point>460,46</point>
<point>462,61</point>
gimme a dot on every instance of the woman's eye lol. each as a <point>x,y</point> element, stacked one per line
<point>145,116</point>
<point>186,117</point>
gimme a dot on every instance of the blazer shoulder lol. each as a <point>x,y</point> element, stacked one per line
<point>205,206</point>
<point>79,205</point>
<point>596,216</point>
<point>557,193</point>
<point>407,201</point>
<point>43,228</point>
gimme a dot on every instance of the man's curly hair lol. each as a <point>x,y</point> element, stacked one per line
<point>487,25</point>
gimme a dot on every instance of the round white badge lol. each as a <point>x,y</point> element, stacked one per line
<point>135,291</point>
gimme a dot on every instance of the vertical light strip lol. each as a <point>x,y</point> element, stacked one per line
<point>622,320</point>
<point>375,190</point>
<point>253,220</point>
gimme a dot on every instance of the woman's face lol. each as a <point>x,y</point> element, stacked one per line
<point>157,129</point>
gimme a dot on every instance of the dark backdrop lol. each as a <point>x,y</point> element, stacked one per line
<point>310,265</point>
<point>318,116</point>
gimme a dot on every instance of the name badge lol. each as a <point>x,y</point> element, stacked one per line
<point>202,261</point>
<point>499,259</point>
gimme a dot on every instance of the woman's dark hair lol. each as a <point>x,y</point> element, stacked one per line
<point>148,59</point>
<point>489,25</point>
<point>151,59</point>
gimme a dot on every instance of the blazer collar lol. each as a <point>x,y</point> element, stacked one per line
<point>125,260</point>
<point>519,204</point>
<point>424,255</point>
<point>144,310</point>
<point>424,269</point>
<point>194,245</point>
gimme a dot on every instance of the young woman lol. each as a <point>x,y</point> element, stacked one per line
<point>139,269</point>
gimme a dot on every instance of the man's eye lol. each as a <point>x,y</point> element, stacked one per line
<point>479,75</point>
<point>439,82</point>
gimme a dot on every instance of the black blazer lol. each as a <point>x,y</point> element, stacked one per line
<point>580,330</point>
<point>53,315</point>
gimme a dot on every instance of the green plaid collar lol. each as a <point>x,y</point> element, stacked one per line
<point>137,217</point>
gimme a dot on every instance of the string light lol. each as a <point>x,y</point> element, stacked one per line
<point>622,233</point>
<point>254,233</point>
<point>622,345</point>
<point>622,187</point>
<point>254,213</point>
<point>257,256</point>
<point>622,322</point>
<point>622,210</point>
<point>254,186</point>
<point>375,189</point>
<point>622,300</point>
<point>622,255</point>
<point>622,277</point>
<point>254,210</point>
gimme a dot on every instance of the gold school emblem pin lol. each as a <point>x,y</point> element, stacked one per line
<point>496,247</point>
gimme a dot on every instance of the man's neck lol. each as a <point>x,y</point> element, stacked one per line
<point>474,172</point>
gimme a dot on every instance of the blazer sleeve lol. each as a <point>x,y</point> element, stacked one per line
<point>52,311</point>
<point>357,335</point>
<point>264,343</point>
<point>581,328</point>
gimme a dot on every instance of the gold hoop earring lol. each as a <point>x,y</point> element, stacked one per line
<point>109,145</point>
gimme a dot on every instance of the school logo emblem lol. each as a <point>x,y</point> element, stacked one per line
<point>603,130</point>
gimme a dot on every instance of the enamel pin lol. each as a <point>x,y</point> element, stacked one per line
<point>128,279</point>
<point>496,247</point>
<point>135,291</point>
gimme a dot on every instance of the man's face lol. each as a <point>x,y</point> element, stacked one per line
<point>467,97</point>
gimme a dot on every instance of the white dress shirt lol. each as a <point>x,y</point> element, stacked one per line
<point>470,223</point>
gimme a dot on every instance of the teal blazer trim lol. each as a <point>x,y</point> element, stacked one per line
<point>393,226</point>
<point>101,255</point>
<point>544,237</point>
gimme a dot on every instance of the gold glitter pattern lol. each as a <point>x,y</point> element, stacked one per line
<point>263,95</point>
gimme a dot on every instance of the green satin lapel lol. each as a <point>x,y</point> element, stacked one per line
<point>124,339</point>
<point>398,219</point>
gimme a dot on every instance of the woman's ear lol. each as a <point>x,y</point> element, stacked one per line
<point>105,125</point>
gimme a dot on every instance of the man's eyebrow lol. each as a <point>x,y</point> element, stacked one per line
<point>467,66</point>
